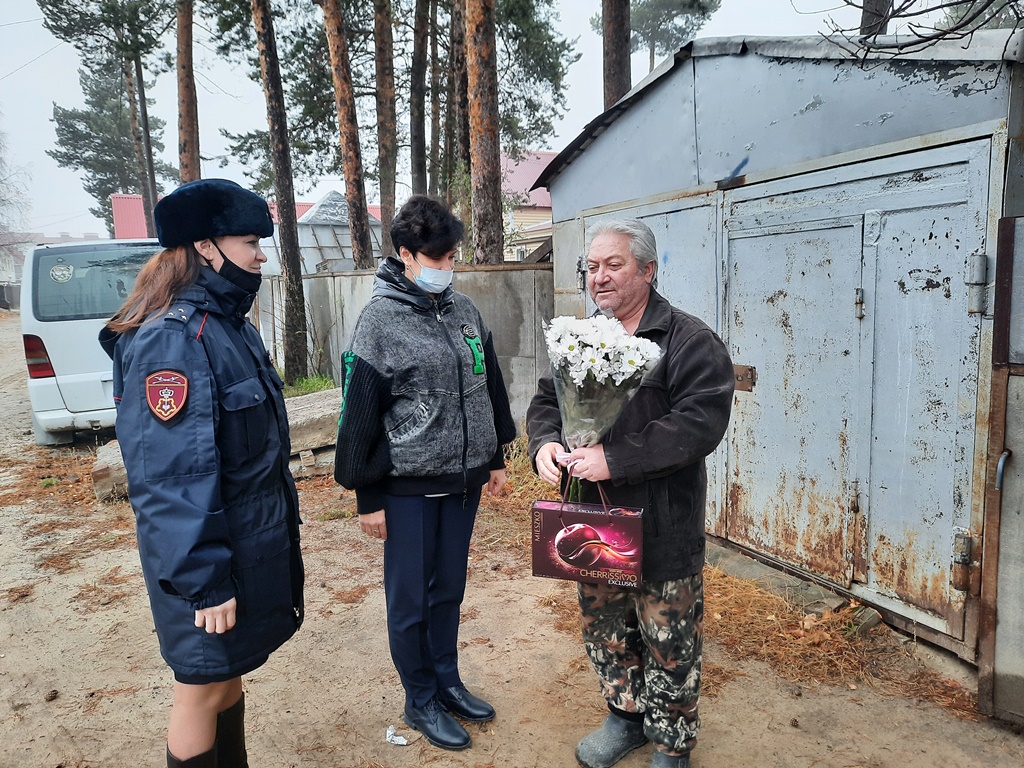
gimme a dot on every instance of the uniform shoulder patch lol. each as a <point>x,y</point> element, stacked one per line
<point>166,394</point>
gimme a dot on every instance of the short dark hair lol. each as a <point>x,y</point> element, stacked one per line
<point>426,225</point>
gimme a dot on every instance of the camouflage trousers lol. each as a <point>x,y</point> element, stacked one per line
<point>645,645</point>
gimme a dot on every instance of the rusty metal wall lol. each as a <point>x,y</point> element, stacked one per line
<point>868,363</point>
<point>716,117</point>
<point>1008,678</point>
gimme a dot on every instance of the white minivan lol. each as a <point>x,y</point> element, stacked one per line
<point>68,292</point>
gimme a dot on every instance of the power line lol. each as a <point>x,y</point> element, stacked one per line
<point>30,61</point>
<point>25,21</point>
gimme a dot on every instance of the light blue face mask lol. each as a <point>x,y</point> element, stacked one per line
<point>433,280</point>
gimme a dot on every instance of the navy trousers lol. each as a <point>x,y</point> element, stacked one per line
<point>425,559</point>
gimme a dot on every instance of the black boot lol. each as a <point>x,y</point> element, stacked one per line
<point>206,760</point>
<point>231,736</point>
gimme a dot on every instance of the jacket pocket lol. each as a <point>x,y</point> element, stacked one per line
<point>658,515</point>
<point>410,424</point>
<point>242,433</point>
<point>262,572</point>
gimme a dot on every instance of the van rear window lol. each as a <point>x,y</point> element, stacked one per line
<point>87,283</point>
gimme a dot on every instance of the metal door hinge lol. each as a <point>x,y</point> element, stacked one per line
<point>966,574</point>
<point>977,283</point>
<point>858,303</point>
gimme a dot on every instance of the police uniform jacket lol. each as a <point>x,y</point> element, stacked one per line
<point>656,448</point>
<point>202,427</point>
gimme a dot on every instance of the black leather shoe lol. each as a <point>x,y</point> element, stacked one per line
<point>464,704</point>
<point>437,726</point>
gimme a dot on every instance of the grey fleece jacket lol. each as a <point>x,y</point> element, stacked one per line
<point>424,406</point>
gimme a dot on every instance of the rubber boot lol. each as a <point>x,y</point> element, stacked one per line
<point>610,743</point>
<point>662,760</point>
<point>206,760</point>
<point>231,736</point>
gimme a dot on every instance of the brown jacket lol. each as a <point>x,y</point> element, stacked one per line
<point>656,448</point>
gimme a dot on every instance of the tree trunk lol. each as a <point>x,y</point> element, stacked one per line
<point>345,101</point>
<point>295,342</point>
<point>418,99</point>
<point>448,151</point>
<point>147,142</point>
<point>458,107</point>
<point>874,17</point>
<point>481,65</point>
<point>615,33</point>
<point>387,128</point>
<point>188,111</point>
<point>433,160</point>
<point>140,155</point>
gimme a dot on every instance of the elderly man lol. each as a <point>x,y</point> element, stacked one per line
<point>645,644</point>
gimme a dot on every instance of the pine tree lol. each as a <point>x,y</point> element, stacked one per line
<point>97,140</point>
<point>128,31</point>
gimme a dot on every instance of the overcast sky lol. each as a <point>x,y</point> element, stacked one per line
<point>37,70</point>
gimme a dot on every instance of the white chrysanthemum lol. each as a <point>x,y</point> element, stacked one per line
<point>599,347</point>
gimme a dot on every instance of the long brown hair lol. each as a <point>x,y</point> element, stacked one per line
<point>159,281</point>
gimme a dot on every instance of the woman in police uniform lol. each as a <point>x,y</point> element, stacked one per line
<point>201,424</point>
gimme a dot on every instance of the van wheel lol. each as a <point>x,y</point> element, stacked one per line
<point>42,437</point>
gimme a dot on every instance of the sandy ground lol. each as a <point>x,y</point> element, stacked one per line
<point>82,683</point>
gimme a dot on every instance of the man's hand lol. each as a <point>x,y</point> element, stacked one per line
<point>218,619</point>
<point>547,465</point>
<point>590,463</point>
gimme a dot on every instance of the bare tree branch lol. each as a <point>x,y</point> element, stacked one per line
<point>960,19</point>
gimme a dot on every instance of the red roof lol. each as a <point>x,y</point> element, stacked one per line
<point>129,217</point>
<point>300,208</point>
<point>518,177</point>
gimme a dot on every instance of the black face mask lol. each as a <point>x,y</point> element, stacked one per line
<point>243,278</point>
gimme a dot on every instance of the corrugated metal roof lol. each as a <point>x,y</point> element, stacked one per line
<point>981,46</point>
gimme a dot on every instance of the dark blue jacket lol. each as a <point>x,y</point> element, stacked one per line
<point>202,427</point>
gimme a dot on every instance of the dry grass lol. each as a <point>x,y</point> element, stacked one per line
<point>351,596</point>
<point>68,523</point>
<point>110,589</point>
<point>19,594</point>
<point>93,698</point>
<point>752,623</point>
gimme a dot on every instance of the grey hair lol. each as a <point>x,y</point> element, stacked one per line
<point>641,241</point>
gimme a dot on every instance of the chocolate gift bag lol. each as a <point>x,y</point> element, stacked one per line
<point>595,543</point>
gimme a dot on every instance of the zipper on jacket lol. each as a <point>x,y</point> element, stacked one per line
<point>462,394</point>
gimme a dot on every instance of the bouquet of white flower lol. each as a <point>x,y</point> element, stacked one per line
<point>597,367</point>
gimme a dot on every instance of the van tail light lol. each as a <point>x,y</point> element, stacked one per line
<point>39,366</point>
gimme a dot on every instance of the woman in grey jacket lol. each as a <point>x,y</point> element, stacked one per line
<point>424,421</point>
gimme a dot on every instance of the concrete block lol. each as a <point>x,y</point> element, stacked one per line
<point>109,479</point>
<point>313,419</point>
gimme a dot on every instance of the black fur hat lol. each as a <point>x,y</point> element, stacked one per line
<point>210,208</point>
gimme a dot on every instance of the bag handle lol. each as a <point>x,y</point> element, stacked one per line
<point>565,495</point>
